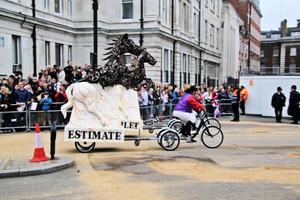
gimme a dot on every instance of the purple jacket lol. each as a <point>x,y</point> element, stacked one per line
<point>183,105</point>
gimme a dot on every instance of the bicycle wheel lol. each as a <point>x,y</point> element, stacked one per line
<point>211,121</point>
<point>212,137</point>
<point>169,140</point>
<point>176,126</point>
<point>85,147</point>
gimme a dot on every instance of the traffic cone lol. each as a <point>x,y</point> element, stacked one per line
<point>39,153</point>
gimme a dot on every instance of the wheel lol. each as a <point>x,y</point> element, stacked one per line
<point>85,147</point>
<point>176,126</point>
<point>169,140</point>
<point>212,137</point>
<point>137,142</point>
<point>211,121</point>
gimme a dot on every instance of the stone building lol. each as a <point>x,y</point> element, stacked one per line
<point>250,13</point>
<point>280,50</point>
<point>234,47</point>
<point>183,35</point>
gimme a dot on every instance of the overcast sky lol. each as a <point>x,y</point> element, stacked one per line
<point>274,11</point>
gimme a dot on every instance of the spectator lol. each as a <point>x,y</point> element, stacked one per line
<point>69,72</point>
<point>5,105</point>
<point>45,104</point>
<point>22,95</point>
<point>145,96</point>
<point>278,102</point>
<point>175,95</point>
<point>61,75</point>
<point>244,97</point>
<point>235,100</point>
<point>293,109</point>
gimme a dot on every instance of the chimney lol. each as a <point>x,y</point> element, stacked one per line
<point>298,23</point>
<point>283,28</point>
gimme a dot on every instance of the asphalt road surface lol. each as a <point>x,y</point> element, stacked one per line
<point>259,160</point>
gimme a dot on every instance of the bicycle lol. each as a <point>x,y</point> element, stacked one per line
<point>176,123</point>
<point>211,136</point>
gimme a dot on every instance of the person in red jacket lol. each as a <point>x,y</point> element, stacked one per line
<point>184,110</point>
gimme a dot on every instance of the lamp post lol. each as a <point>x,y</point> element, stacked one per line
<point>95,33</point>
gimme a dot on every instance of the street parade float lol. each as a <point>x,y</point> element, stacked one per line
<point>105,104</point>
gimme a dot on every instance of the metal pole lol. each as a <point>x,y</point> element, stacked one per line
<point>34,40</point>
<point>52,140</point>
<point>95,29</point>
<point>142,23</point>
<point>174,46</point>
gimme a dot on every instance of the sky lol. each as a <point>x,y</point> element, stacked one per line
<point>274,11</point>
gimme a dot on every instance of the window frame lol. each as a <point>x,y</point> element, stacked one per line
<point>122,11</point>
<point>47,53</point>
<point>60,7</point>
<point>294,52</point>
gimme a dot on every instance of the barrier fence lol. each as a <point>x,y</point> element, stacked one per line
<point>23,118</point>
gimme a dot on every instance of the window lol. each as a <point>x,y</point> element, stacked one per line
<point>275,36</point>
<point>70,9</point>
<point>57,6</point>
<point>188,69</point>
<point>263,36</point>
<point>127,9</point>
<point>213,5</point>
<point>275,51</point>
<point>184,66</point>
<point>206,3</point>
<point>59,54</point>
<point>195,24</point>
<point>166,66</point>
<point>196,72</point>
<point>185,18</point>
<point>211,35</point>
<point>295,34</point>
<point>292,68</point>
<point>46,5</point>
<point>16,50</point>
<point>262,53</point>
<point>218,35</point>
<point>293,51</point>
<point>275,69</point>
<point>2,43</point>
<point>206,32</point>
<point>47,53</point>
<point>70,53</point>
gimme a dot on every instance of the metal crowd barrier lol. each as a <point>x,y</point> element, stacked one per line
<point>22,118</point>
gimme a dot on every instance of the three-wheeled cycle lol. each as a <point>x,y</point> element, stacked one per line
<point>169,137</point>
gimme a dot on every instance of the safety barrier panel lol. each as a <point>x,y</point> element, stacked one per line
<point>22,118</point>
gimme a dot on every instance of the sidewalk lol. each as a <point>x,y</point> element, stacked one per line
<point>21,166</point>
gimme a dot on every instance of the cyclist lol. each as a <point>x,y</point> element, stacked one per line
<point>184,110</point>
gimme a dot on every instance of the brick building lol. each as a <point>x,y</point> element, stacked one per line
<point>250,13</point>
<point>280,51</point>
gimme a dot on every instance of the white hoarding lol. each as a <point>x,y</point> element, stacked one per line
<point>261,90</point>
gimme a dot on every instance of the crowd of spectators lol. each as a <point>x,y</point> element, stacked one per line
<point>46,92</point>
<point>42,93</point>
<point>160,99</point>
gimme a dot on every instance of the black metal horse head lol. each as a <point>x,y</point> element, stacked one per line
<point>122,45</point>
<point>116,71</point>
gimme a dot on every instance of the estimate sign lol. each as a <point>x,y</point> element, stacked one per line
<point>94,135</point>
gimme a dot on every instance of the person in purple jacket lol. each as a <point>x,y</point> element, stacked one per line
<point>184,110</point>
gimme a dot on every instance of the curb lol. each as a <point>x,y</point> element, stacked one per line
<point>55,165</point>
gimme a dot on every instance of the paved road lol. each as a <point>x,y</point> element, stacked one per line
<point>258,160</point>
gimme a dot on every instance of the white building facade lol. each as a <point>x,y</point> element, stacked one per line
<point>232,43</point>
<point>183,35</point>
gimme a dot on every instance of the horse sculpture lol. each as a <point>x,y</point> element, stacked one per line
<point>115,71</point>
<point>112,99</point>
